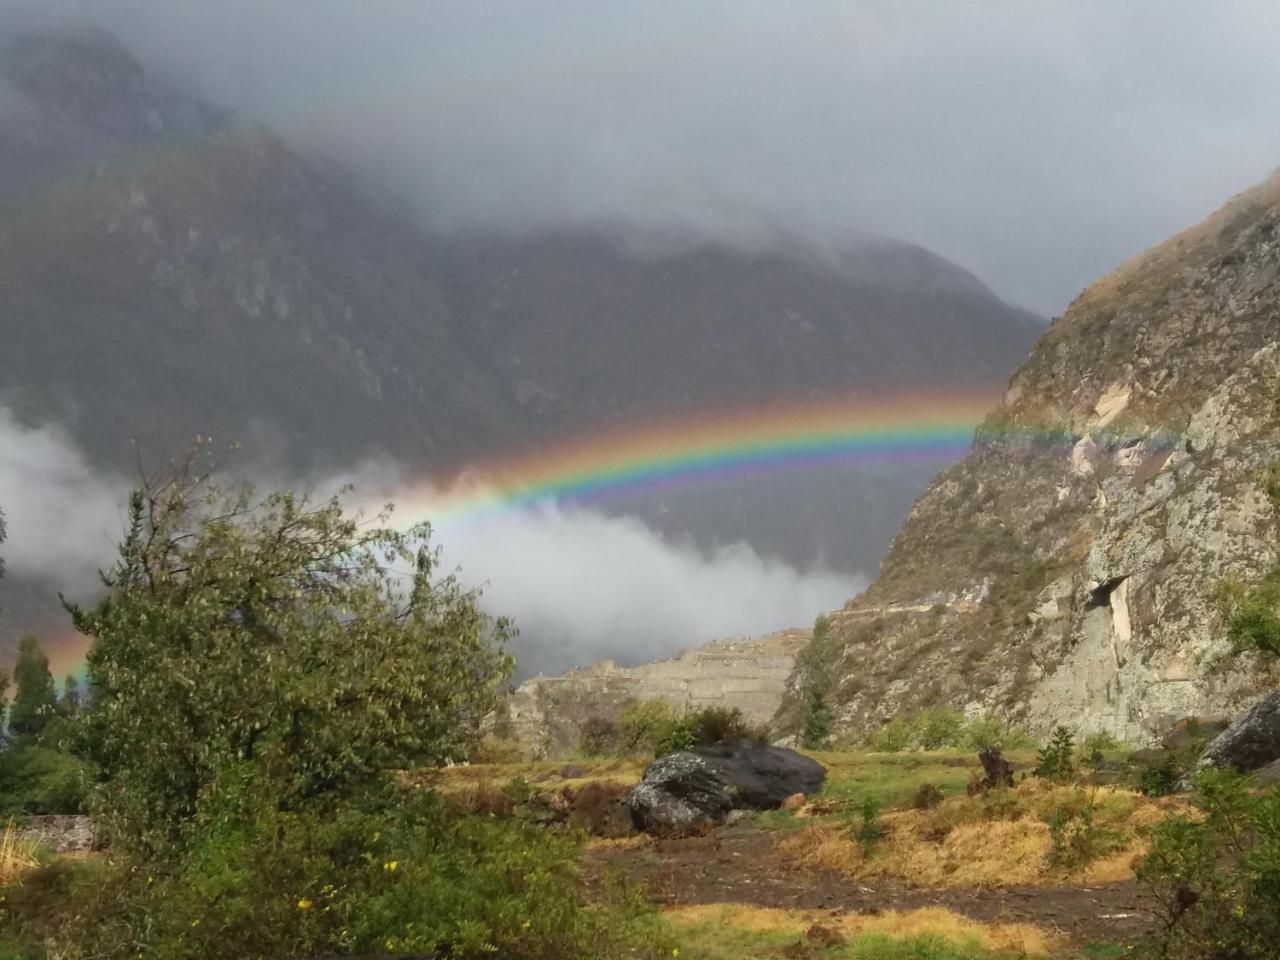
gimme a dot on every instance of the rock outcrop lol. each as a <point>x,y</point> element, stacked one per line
<point>1069,569</point>
<point>685,791</point>
<point>548,713</point>
<point>1251,742</point>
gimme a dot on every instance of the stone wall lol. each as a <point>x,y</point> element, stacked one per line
<point>547,713</point>
<point>59,834</point>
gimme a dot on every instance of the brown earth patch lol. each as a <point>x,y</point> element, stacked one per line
<point>743,864</point>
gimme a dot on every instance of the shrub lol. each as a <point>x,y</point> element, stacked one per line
<point>644,724</point>
<point>410,879</point>
<point>1158,777</point>
<point>39,780</point>
<point>939,728</point>
<point>1076,837</point>
<point>815,729</point>
<point>1056,759</point>
<point>1095,747</point>
<point>710,725</point>
<point>869,830</point>
<point>1216,877</point>
<point>600,737</point>
<point>497,750</point>
<point>996,733</point>
<point>927,797</point>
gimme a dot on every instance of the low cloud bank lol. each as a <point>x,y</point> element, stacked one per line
<point>63,516</point>
<point>582,586</point>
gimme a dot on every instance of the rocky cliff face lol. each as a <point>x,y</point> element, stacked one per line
<point>1067,570</point>
<point>548,713</point>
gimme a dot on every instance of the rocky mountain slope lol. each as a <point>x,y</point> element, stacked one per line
<point>1068,569</point>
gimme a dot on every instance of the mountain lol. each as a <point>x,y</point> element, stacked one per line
<point>1069,569</point>
<point>168,270</point>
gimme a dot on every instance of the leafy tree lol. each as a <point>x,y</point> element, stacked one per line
<point>277,641</point>
<point>35,698</point>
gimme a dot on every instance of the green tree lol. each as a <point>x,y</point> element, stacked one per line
<point>815,715</point>
<point>72,700</point>
<point>815,734</point>
<point>35,698</point>
<point>277,642</point>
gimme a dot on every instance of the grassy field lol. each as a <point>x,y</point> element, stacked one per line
<point>952,843</point>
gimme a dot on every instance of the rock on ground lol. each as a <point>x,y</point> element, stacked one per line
<point>689,790</point>
<point>1251,742</point>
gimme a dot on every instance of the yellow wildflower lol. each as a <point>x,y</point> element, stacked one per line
<point>304,904</point>
<point>390,866</point>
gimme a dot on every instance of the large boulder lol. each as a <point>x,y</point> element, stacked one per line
<point>689,790</point>
<point>1251,742</point>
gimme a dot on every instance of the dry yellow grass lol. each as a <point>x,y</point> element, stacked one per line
<point>17,854</point>
<point>633,842</point>
<point>1018,938</point>
<point>998,840</point>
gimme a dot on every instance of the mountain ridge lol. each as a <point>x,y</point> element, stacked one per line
<point>1067,569</point>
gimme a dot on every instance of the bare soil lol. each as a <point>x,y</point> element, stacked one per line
<point>741,864</point>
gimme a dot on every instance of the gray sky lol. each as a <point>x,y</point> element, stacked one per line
<point>1036,143</point>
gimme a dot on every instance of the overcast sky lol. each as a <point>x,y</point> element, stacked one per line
<point>1036,143</point>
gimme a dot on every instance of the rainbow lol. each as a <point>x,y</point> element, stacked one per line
<point>651,458</point>
<point>657,457</point>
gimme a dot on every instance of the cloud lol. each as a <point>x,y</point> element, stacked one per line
<point>583,586</point>
<point>1036,143</point>
<point>580,585</point>
<point>63,517</point>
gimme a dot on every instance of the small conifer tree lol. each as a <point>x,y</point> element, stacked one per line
<point>35,698</point>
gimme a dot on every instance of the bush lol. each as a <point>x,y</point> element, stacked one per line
<point>409,879</point>
<point>39,780</point>
<point>927,797</point>
<point>600,737</point>
<point>1076,837</point>
<point>869,830</point>
<point>1095,747</point>
<point>702,728</point>
<point>815,727</point>
<point>1216,877</point>
<point>644,724</point>
<point>940,728</point>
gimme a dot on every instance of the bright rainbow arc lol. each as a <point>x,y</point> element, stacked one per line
<point>708,449</point>
<point>931,427</point>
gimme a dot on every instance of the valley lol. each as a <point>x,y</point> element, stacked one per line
<point>558,484</point>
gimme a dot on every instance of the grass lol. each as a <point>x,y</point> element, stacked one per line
<point>18,854</point>
<point>731,931</point>
<point>999,839</point>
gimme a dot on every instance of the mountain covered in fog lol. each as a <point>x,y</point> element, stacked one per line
<point>169,270</point>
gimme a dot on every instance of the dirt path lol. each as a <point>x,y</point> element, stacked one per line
<point>741,864</point>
